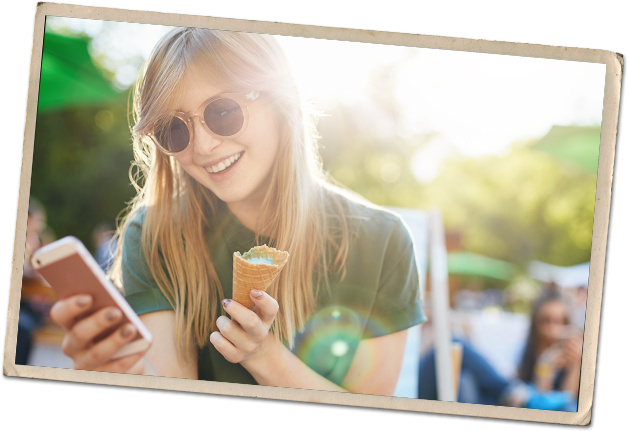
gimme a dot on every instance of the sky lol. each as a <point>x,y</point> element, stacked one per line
<point>471,104</point>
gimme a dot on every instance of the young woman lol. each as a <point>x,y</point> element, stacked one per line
<point>228,160</point>
<point>552,357</point>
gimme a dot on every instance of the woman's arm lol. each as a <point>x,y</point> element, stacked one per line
<point>374,370</point>
<point>246,340</point>
<point>572,351</point>
<point>162,360</point>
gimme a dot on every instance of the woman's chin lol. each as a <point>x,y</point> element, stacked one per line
<point>230,197</point>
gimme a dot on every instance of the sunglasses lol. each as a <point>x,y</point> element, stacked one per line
<point>224,116</point>
<point>546,320</point>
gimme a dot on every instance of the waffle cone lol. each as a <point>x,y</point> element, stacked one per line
<point>248,276</point>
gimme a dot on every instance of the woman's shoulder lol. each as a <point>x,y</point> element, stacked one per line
<point>135,224</point>
<point>138,217</point>
<point>132,234</point>
<point>368,221</point>
<point>356,205</point>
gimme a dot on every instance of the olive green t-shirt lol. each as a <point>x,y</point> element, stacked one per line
<point>379,294</point>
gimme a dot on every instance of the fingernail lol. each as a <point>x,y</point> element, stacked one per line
<point>220,323</point>
<point>113,314</point>
<point>257,294</point>
<point>127,330</point>
<point>83,300</point>
<point>225,303</point>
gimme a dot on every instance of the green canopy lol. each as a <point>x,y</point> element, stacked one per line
<point>577,145</point>
<point>68,76</point>
<point>464,263</point>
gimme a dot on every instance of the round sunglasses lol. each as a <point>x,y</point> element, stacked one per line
<point>224,116</point>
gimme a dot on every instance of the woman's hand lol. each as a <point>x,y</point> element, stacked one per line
<point>79,342</point>
<point>572,351</point>
<point>244,337</point>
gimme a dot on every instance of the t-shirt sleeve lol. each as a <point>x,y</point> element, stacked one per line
<point>398,304</point>
<point>140,288</point>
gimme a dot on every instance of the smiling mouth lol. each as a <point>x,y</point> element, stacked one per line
<point>225,165</point>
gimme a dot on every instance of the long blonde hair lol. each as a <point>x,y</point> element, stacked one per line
<point>300,204</point>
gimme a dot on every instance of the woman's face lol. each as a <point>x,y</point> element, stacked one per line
<point>247,179</point>
<point>551,320</point>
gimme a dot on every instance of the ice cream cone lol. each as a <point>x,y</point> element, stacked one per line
<point>248,275</point>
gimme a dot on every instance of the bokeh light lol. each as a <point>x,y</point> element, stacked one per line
<point>390,172</point>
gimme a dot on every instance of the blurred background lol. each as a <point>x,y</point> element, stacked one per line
<point>504,148</point>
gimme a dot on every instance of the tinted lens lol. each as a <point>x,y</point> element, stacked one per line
<point>224,117</point>
<point>174,137</point>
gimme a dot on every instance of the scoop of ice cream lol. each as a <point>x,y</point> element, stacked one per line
<point>267,260</point>
<point>256,269</point>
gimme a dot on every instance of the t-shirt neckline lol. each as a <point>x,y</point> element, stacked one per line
<point>234,231</point>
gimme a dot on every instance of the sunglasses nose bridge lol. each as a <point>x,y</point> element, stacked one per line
<point>193,114</point>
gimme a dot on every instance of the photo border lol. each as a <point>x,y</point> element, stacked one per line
<point>610,113</point>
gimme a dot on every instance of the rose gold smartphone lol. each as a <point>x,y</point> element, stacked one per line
<point>71,270</point>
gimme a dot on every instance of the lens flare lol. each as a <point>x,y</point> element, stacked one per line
<point>336,322</point>
<point>339,348</point>
<point>329,340</point>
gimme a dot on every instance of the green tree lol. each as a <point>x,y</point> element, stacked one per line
<point>520,207</point>
<point>81,164</point>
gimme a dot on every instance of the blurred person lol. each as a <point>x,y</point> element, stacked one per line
<point>35,226</point>
<point>480,383</point>
<point>106,245</point>
<point>492,298</point>
<point>467,300</point>
<point>229,158</point>
<point>580,307</point>
<point>36,297</point>
<point>552,356</point>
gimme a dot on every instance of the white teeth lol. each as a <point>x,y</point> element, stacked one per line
<point>224,164</point>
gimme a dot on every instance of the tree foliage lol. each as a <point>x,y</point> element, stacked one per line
<point>520,207</point>
<point>81,164</point>
<point>517,207</point>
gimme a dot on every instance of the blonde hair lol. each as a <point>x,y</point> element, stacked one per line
<point>299,206</point>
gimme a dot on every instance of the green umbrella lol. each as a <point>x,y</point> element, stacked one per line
<point>68,76</point>
<point>576,145</point>
<point>464,263</point>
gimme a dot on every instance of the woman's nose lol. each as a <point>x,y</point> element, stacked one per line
<point>204,143</point>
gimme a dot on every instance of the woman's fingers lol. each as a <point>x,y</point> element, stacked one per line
<point>99,355</point>
<point>573,349</point>
<point>267,307</point>
<point>233,332</point>
<point>64,312</point>
<point>83,332</point>
<point>248,320</point>
<point>246,331</point>
<point>225,347</point>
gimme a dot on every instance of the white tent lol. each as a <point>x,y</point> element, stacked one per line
<point>563,276</point>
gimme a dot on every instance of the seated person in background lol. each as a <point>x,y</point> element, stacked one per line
<point>553,353</point>
<point>480,383</point>
<point>36,297</point>
<point>106,245</point>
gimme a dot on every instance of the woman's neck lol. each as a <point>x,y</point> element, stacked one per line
<point>248,214</point>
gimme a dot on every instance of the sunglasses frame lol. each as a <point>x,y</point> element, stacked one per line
<point>243,99</point>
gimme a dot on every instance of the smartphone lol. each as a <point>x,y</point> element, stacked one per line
<point>71,270</point>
